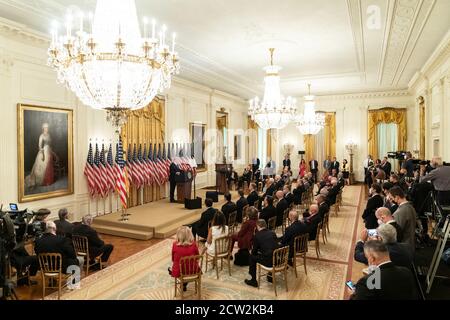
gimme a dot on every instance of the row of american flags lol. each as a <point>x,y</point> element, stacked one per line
<point>143,167</point>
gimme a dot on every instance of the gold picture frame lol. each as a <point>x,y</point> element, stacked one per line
<point>198,131</point>
<point>45,152</point>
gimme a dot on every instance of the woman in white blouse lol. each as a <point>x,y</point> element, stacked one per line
<point>217,230</point>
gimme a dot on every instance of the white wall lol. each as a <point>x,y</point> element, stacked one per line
<point>25,78</point>
<point>351,123</point>
<point>432,82</point>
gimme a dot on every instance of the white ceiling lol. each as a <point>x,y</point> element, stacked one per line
<point>224,43</point>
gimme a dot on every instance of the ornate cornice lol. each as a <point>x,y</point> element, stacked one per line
<point>21,32</point>
<point>368,95</point>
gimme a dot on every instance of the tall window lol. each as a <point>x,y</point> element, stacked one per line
<point>387,139</point>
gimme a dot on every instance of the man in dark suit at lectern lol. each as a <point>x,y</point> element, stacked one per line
<point>314,168</point>
<point>174,171</point>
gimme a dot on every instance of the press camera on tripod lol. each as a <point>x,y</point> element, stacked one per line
<point>16,228</point>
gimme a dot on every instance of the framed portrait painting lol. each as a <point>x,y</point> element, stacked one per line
<point>45,152</point>
<point>198,132</point>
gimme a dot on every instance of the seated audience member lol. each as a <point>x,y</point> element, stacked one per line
<point>298,192</point>
<point>240,204</point>
<point>51,243</point>
<point>278,182</point>
<point>400,253</point>
<point>405,216</point>
<point>21,260</point>
<point>228,207</point>
<point>296,229</point>
<point>384,216</point>
<point>183,246</point>
<point>333,191</point>
<point>312,220</point>
<point>270,188</point>
<point>395,283</point>
<point>253,195</point>
<point>375,201</point>
<point>397,181</point>
<point>269,210</point>
<point>286,176</point>
<point>288,194</point>
<point>96,245</point>
<point>281,207</point>
<point>334,173</point>
<point>244,238</point>
<point>63,227</point>
<point>264,243</point>
<point>324,207</point>
<point>201,226</point>
<point>246,177</point>
<point>218,229</point>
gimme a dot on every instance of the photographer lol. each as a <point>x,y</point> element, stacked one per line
<point>408,165</point>
<point>440,177</point>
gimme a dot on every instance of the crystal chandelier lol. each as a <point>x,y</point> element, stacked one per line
<point>274,112</point>
<point>310,122</point>
<point>111,66</point>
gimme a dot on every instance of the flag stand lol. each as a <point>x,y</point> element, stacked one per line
<point>124,215</point>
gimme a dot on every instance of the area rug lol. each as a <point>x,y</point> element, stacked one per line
<point>144,276</point>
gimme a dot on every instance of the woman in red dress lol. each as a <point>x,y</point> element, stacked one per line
<point>245,238</point>
<point>302,169</point>
<point>184,246</point>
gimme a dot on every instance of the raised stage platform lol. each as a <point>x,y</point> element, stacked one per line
<point>159,219</point>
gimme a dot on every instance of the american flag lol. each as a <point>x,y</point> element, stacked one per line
<point>166,161</point>
<point>137,173</point>
<point>147,177</point>
<point>110,172</point>
<point>129,166</point>
<point>141,167</point>
<point>103,172</point>
<point>121,175</point>
<point>151,165</point>
<point>159,168</point>
<point>89,172</point>
<point>98,172</point>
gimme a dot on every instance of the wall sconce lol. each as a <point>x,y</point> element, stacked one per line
<point>288,148</point>
<point>350,146</point>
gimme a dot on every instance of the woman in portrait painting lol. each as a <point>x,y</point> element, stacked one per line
<point>42,173</point>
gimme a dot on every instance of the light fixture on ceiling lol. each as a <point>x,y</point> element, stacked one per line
<point>112,66</point>
<point>310,122</point>
<point>274,112</point>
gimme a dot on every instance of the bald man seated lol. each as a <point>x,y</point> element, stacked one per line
<point>296,229</point>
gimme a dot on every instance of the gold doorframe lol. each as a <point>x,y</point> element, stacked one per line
<point>386,115</point>
<point>145,126</point>
<point>422,119</point>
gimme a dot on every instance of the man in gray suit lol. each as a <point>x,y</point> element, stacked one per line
<point>405,216</point>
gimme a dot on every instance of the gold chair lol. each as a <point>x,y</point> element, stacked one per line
<point>272,223</point>
<point>279,265</point>
<point>317,240</point>
<point>81,245</point>
<point>232,222</point>
<point>300,250</point>
<point>51,268</point>
<point>286,220</point>
<point>190,271</point>
<point>326,222</point>
<point>334,208</point>
<point>222,251</point>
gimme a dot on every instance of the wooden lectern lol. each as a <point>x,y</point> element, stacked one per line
<point>184,186</point>
<point>223,171</point>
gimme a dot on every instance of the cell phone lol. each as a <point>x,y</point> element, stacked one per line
<point>372,233</point>
<point>13,207</point>
<point>350,284</point>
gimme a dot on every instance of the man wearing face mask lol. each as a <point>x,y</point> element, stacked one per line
<point>384,216</point>
<point>400,253</point>
<point>405,216</point>
<point>395,283</point>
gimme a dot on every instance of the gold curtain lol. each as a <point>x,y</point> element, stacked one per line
<point>422,129</point>
<point>252,127</point>
<point>269,143</point>
<point>386,115</point>
<point>330,134</point>
<point>145,126</point>
<point>309,147</point>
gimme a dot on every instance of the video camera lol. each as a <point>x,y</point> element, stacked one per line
<point>399,155</point>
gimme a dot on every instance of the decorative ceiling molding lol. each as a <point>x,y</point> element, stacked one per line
<point>16,30</point>
<point>356,23</point>
<point>416,32</point>
<point>368,95</point>
<point>409,17</point>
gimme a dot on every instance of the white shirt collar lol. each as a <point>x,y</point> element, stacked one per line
<point>386,262</point>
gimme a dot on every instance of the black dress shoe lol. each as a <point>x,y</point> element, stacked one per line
<point>185,287</point>
<point>251,282</point>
